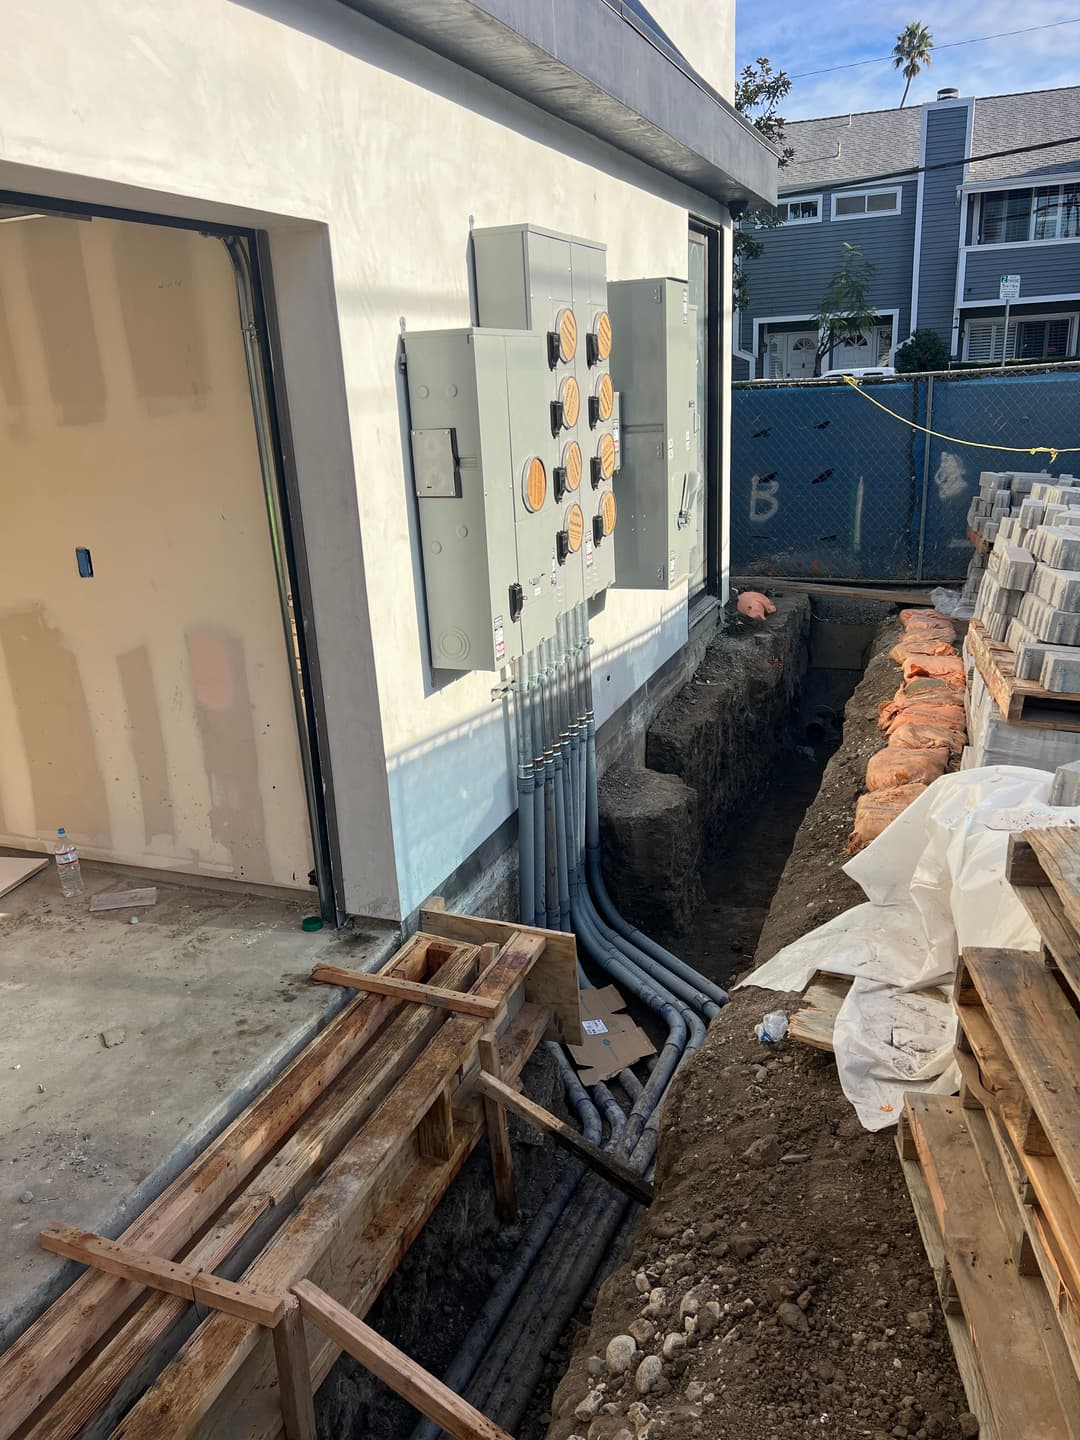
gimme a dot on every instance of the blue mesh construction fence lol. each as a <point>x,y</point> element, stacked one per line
<point>825,485</point>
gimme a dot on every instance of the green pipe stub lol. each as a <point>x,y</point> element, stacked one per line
<point>311,922</point>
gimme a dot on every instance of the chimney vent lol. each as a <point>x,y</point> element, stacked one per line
<point>949,92</point>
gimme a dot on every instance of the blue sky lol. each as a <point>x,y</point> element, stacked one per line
<point>800,37</point>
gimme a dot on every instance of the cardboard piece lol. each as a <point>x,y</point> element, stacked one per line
<point>612,1040</point>
<point>123,899</point>
<point>15,869</point>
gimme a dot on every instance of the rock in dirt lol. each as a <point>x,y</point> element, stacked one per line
<point>620,1354</point>
<point>920,1321</point>
<point>793,1318</point>
<point>648,1374</point>
<point>763,1151</point>
<point>590,1406</point>
<point>969,1425</point>
<point>642,1331</point>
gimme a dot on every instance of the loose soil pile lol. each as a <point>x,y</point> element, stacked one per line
<point>777,1288</point>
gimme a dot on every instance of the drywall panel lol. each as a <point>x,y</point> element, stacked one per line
<point>145,707</point>
<point>312,121</point>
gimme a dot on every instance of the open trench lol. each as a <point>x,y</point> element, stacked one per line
<point>694,844</point>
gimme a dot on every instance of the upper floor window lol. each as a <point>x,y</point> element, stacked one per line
<point>799,210</point>
<point>857,204</point>
<point>1011,217</point>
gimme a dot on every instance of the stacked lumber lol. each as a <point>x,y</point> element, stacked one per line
<point>221,1306</point>
<point>994,1175</point>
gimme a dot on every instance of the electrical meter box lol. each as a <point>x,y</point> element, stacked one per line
<point>535,279</point>
<point>481,437</point>
<point>653,367</point>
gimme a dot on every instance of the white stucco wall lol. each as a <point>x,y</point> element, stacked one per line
<point>364,157</point>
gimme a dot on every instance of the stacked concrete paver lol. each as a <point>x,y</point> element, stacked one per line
<point>1024,579</point>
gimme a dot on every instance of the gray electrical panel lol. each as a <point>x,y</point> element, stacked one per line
<point>653,367</point>
<point>481,440</point>
<point>535,279</point>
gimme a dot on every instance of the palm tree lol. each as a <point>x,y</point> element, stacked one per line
<point>911,52</point>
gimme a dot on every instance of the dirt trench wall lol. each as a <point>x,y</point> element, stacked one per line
<point>706,753</point>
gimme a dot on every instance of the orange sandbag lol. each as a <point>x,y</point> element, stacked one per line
<point>893,766</point>
<point>875,811</point>
<point>906,700</point>
<point>949,668</point>
<point>918,735</point>
<point>929,712</point>
<point>923,617</point>
<point>919,645</point>
<point>922,687</point>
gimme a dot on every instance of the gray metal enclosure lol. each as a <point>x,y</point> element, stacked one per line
<point>825,484</point>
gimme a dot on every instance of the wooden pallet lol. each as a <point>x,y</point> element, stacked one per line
<point>1018,1048</point>
<point>1009,1349</point>
<point>325,1180</point>
<point>1044,870</point>
<point>1021,702</point>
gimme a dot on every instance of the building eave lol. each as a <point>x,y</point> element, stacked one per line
<point>592,65</point>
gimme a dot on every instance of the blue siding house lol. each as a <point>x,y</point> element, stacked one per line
<point>929,199</point>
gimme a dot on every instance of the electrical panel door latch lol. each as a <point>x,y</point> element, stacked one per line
<point>517,602</point>
<point>562,545</point>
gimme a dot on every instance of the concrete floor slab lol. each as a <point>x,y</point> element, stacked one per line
<point>202,1001</point>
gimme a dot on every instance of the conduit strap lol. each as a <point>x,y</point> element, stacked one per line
<point>1052,450</point>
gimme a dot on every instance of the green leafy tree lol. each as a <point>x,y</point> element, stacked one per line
<point>845,312</point>
<point>925,350</point>
<point>759,92</point>
<point>911,52</point>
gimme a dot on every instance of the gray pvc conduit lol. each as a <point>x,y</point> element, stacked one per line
<point>557,1262</point>
<point>526,790</point>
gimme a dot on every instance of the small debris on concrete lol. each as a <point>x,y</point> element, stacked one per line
<point>115,1035</point>
<point>26,1198</point>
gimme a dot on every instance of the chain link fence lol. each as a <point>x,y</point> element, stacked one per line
<point>826,485</point>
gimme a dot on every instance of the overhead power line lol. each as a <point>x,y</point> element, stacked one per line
<point>949,45</point>
<point>911,170</point>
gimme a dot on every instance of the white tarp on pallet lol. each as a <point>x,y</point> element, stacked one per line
<point>935,884</point>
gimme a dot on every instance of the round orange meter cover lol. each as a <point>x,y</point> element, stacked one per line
<point>572,464</point>
<point>608,512</point>
<point>535,487</point>
<point>575,528</point>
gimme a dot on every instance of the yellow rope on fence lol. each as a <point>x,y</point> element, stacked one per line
<point>1052,450</point>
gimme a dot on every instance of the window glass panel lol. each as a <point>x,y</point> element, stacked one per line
<point>1046,213</point>
<point>1032,339</point>
<point>1069,226</point>
<point>851,204</point>
<point>1006,217</point>
<point>881,203</point>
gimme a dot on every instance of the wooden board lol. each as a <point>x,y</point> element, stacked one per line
<point>1021,702</point>
<point>890,594</point>
<point>394,1368</point>
<point>813,1022</point>
<point>14,870</point>
<point>1040,1034</point>
<point>967,1362</point>
<point>1009,1337</point>
<point>553,981</point>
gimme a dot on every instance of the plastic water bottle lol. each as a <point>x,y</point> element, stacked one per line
<point>67,865</point>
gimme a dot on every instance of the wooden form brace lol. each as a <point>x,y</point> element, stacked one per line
<point>613,1170</point>
<point>352,1231</point>
<point>416,994</point>
<point>278,1313</point>
<point>37,1362</point>
<point>394,1368</point>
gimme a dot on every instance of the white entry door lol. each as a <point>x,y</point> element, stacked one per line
<point>791,356</point>
<point>867,350</point>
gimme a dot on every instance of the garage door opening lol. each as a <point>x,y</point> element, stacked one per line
<point>147,700</point>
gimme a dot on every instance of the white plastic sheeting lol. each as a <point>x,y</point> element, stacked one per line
<point>935,884</point>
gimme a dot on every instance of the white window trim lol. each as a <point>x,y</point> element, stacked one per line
<point>976,222</point>
<point>1014,319</point>
<point>1064,177</point>
<point>762,322</point>
<point>797,200</point>
<point>896,190</point>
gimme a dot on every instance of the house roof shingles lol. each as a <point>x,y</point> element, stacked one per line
<point>841,149</point>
